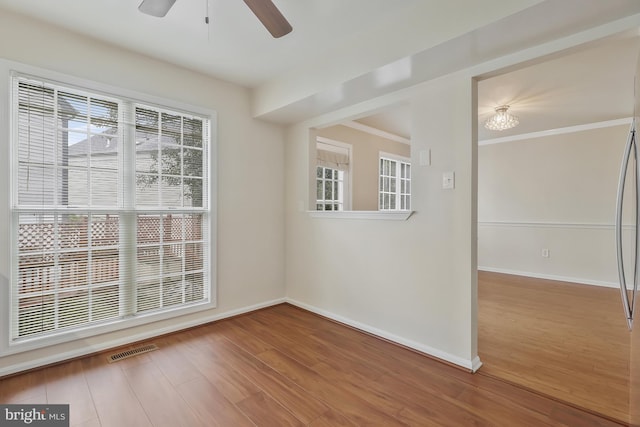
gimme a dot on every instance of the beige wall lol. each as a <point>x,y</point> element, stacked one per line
<point>365,155</point>
<point>557,193</point>
<point>411,281</point>
<point>250,232</point>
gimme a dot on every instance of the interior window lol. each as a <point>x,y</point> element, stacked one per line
<point>375,163</point>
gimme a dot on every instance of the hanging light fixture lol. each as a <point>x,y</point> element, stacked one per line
<point>501,120</point>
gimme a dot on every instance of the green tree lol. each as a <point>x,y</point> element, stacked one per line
<point>179,158</point>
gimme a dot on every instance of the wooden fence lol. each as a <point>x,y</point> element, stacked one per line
<point>84,251</point>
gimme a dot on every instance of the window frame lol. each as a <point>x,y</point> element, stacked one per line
<point>346,178</point>
<point>8,70</point>
<point>338,179</point>
<point>399,160</point>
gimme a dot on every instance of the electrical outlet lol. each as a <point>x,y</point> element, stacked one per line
<point>545,253</point>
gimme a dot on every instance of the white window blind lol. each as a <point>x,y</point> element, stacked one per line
<point>333,159</point>
<point>109,209</point>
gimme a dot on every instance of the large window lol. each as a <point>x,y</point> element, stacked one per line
<point>110,210</point>
<point>395,183</point>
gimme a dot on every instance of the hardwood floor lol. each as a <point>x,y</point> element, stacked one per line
<point>565,340</point>
<point>283,366</point>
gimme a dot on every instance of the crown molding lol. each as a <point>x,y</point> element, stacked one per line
<point>374,131</point>
<point>558,131</point>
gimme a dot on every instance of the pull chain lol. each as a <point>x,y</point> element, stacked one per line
<point>206,19</point>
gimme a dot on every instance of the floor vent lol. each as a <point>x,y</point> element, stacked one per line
<point>133,352</point>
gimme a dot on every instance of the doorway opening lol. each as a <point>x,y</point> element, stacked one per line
<point>549,316</point>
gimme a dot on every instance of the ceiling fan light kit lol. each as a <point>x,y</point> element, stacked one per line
<point>157,8</point>
<point>501,120</point>
<point>266,12</point>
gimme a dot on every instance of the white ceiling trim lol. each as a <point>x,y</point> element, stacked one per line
<point>559,131</point>
<point>373,131</point>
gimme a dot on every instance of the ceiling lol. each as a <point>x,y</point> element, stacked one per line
<point>235,46</point>
<point>588,84</point>
<point>593,83</point>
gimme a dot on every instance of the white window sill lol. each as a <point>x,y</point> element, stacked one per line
<point>383,215</point>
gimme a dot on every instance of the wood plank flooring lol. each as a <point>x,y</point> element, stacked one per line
<point>283,366</point>
<point>565,340</point>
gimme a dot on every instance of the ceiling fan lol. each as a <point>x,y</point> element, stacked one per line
<point>264,10</point>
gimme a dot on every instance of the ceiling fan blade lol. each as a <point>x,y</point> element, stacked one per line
<point>158,8</point>
<point>270,16</point>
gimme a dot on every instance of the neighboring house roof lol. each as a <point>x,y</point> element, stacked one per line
<point>107,142</point>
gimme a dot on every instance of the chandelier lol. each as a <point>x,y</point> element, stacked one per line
<point>501,120</point>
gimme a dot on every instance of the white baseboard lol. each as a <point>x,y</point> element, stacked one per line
<point>106,345</point>
<point>475,364</point>
<point>471,365</point>
<point>550,277</point>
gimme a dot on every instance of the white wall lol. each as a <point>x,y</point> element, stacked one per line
<point>250,232</point>
<point>365,155</point>
<point>556,193</point>
<point>411,281</point>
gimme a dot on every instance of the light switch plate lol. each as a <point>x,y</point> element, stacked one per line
<point>448,180</point>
